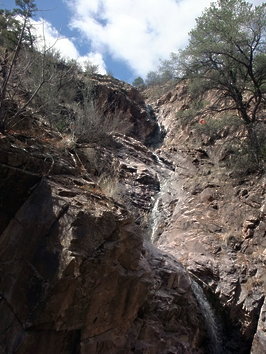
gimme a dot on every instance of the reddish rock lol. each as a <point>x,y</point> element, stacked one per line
<point>76,277</point>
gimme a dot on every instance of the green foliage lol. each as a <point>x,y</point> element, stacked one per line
<point>226,52</point>
<point>11,26</point>
<point>217,127</point>
<point>90,69</point>
<point>10,29</point>
<point>189,115</point>
<point>26,7</point>
<point>240,159</point>
<point>139,83</point>
<point>152,78</point>
<point>161,76</point>
<point>15,35</point>
<point>167,69</point>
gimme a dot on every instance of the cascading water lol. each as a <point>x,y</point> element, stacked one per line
<point>157,213</point>
<point>158,217</point>
<point>169,193</point>
<point>212,327</point>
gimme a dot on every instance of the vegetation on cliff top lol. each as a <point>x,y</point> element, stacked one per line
<point>225,53</point>
<point>40,82</point>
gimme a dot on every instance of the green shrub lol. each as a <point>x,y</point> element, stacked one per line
<point>218,127</point>
<point>188,116</point>
<point>242,159</point>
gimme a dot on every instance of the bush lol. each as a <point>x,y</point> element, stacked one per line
<point>241,159</point>
<point>139,83</point>
<point>219,126</point>
<point>92,123</point>
<point>188,116</point>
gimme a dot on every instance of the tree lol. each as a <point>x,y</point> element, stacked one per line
<point>139,83</point>
<point>90,68</point>
<point>226,53</point>
<point>9,29</point>
<point>152,78</point>
<point>16,31</point>
<point>26,8</point>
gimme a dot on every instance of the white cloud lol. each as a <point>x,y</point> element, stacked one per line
<point>138,31</point>
<point>49,37</point>
<point>96,59</point>
<point>257,2</point>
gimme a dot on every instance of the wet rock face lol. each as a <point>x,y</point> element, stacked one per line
<point>132,174</point>
<point>78,274</point>
<point>172,301</point>
<point>259,341</point>
<point>61,260</point>
<point>77,278</point>
<point>214,223</point>
<point>126,109</point>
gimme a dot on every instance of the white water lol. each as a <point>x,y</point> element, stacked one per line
<point>157,214</point>
<point>213,330</point>
<point>155,219</point>
<point>171,191</point>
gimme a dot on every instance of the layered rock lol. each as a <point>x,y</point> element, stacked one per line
<point>259,341</point>
<point>76,276</point>
<point>78,271</point>
<point>212,221</point>
<point>124,107</point>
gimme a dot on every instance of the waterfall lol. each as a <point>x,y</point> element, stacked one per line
<point>213,329</point>
<point>171,200</point>
<point>172,194</point>
<point>158,214</point>
<point>155,217</point>
<point>156,138</point>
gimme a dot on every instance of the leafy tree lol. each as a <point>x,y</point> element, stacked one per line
<point>167,70</point>
<point>139,83</point>
<point>226,53</point>
<point>9,29</point>
<point>165,73</point>
<point>152,78</point>
<point>26,8</point>
<point>90,68</point>
<point>14,33</point>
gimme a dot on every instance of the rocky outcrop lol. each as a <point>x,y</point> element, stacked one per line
<point>213,221</point>
<point>71,287</point>
<point>78,271</point>
<point>259,341</point>
<point>76,276</point>
<point>124,107</point>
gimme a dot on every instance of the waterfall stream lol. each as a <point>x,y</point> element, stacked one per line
<point>157,215</point>
<point>171,193</point>
<point>212,327</point>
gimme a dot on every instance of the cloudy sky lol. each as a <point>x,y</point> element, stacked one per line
<point>124,37</point>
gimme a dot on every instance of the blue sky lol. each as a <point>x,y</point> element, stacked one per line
<point>126,38</point>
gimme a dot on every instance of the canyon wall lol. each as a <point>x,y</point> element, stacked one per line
<point>143,244</point>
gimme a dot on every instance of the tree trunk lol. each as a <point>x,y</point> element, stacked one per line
<point>254,144</point>
<point>3,91</point>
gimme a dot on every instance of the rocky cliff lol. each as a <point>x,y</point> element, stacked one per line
<point>145,244</point>
<point>211,217</point>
